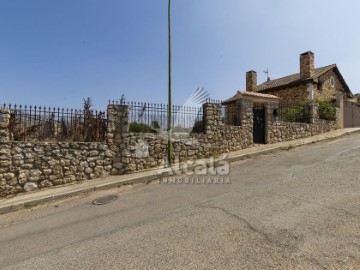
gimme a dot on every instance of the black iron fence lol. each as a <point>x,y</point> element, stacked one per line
<point>293,112</point>
<point>40,123</point>
<point>232,114</point>
<point>144,117</point>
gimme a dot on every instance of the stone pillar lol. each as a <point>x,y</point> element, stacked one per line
<point>117,133</point>
<point>247,114</point>
<point>339,110</point>
<point>118,123</point>
<point>314,112</point>
<point>247,117</point>
<point>4,125</point>
<point>212,117</point>
<point>270,117</point>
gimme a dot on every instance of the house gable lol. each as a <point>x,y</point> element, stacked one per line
<point>327,85</point>
<point>326,81</point>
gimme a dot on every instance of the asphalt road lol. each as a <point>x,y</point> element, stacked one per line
<point>297,209</point>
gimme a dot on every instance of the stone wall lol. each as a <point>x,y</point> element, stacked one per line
<point>143,151</point>
<point>4,125</point>
<point>291,94</point>
<point>324,90</point>
<point>25,166</point>
<point>280,131</point>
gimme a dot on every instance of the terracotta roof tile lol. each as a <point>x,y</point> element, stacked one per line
<point>240,94</point>
<point>294,78</point>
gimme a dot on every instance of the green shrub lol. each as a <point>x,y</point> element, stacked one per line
<point>155,124</point>
<point>327,110</point>
<point>295,114</point>
<point>198,127</point>
<point>140,128</point>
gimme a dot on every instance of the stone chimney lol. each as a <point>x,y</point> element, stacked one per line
<point>251,81</point>
<point>306,65</point>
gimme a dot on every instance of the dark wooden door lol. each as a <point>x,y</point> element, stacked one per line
<point>259,125</point>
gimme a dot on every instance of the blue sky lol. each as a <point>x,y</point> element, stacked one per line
<point>56,53</point>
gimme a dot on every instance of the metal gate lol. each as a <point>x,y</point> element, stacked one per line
<point>351,115</point>
<point>259,124</point>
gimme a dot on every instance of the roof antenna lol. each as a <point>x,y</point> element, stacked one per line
<point>267,74</point>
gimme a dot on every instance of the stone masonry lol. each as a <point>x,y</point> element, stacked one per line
<point>25,166</point>
<point>4,125</point>
<point>307,65</point>
<point>142,151</point>
<point>279,131</point>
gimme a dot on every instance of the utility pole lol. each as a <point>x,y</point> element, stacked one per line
<point>169,150</point>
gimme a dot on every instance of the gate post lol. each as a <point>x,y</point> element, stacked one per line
<point>270,117</point>
<point>314,112</point>
<point>247,117</point>
<point>247,113</point>
<point>212,117</point>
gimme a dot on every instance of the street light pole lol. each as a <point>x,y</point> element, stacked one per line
<point>169,150</point>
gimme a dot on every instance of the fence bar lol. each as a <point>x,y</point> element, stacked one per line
<point>33,123</point>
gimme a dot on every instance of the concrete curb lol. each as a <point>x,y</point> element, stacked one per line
<point>39,197</point>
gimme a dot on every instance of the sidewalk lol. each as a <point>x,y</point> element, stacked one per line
<point>45,195</point>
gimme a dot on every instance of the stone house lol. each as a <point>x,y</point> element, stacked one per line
<point>323,83</point>
<point>279,102</point>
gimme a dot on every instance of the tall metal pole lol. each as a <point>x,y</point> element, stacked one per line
<point>169,152</point>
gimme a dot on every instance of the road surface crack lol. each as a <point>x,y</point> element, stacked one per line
<point>247,223</point>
